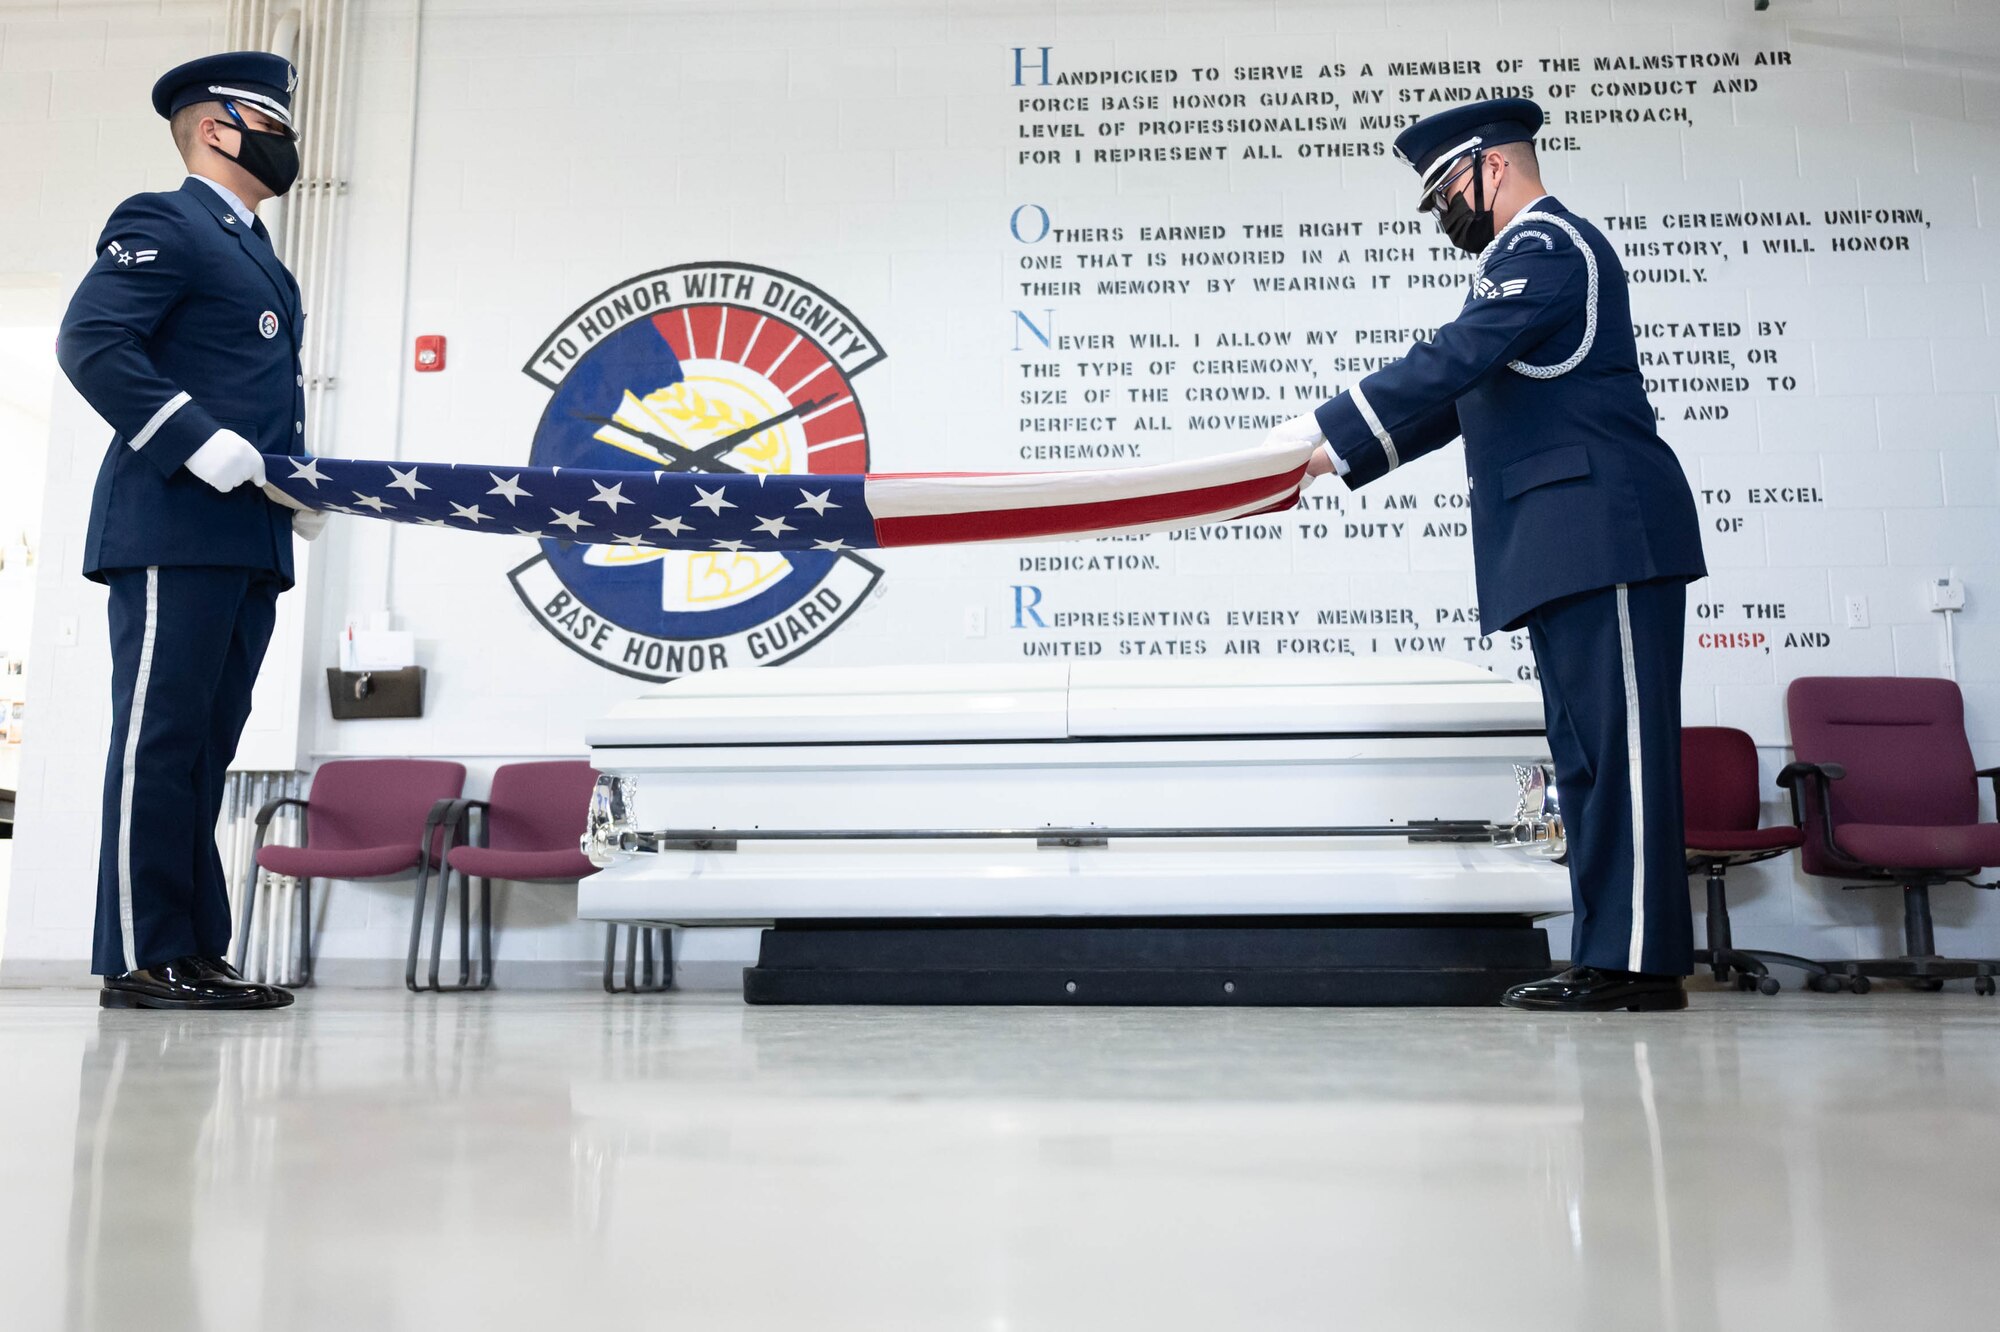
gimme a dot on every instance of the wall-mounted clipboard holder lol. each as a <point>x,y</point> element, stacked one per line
<point>355,695</point>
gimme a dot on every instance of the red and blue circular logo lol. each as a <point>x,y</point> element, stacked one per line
<point>704,367</point>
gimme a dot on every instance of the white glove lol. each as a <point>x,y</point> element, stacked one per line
<point>226,461</point>
<point>1298,430</point>
<point>1305,430</point>
<point>309,523</point>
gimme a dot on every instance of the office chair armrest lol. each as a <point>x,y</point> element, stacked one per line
<point>1808,780</point>
<point>448,812</point>
<point>263,823</point>
<point>451,814</point>
<point>485,811</point>
<point>271,807</point>
<point>1793,777</point>
<point>447,815</point>
<point>1992,775</point>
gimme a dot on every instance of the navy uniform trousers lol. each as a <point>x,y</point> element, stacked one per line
<point>1610,663</point>
<point>186,642</point>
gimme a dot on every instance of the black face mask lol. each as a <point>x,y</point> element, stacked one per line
<point>1469,226</point>
<point>270,157</point>
<point>1470,229</point>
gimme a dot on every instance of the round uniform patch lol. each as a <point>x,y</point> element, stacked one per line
<point>267,324</point>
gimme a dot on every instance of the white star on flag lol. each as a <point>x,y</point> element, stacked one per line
<point>775,526</point>
<point>729,545</point>
<point>528,531</point>
<point>308,470</point>
<point>572,520</point>
<point>609,496</point>
<point>633,541</point>
<point>469,512</point>
<point>672,526</point>
<point>375,502</point>
<point>509,489</point>
<point>432,522</point>
<point>406,481</point>
<point>819,503</point>
<point>835,544</point>
<point>712,500</point>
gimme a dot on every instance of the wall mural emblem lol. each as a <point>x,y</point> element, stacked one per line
<point>702,367</point>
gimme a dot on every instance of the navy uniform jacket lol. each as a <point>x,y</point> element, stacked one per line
<point>186,323</point>
<point>1572,488</point>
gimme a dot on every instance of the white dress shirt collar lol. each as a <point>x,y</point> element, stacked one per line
<point>228,197</point>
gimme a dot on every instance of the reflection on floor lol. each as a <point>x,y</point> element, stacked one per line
<point>369,1160</point>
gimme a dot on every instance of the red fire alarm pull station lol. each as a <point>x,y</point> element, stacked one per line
<point>430,352</point>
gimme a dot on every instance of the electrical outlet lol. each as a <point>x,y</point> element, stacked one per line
<point>1945,594</point>
<point>1857,612</point>
<point>975,622</point>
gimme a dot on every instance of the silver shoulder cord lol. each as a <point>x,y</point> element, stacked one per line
<point>1589,298</point>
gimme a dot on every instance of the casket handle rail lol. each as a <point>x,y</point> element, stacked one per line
<point>614,834</point>
<point>730,839</point>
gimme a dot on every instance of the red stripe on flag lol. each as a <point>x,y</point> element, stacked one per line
<point>1290,501</point>
<point>942,529</point>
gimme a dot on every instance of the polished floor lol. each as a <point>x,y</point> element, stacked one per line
<point>370,1160</point>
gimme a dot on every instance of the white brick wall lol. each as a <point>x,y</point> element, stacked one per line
<point>868,147</point>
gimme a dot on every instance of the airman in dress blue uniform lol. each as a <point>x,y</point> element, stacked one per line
<point>1584,529</point>
<point>185,337</point>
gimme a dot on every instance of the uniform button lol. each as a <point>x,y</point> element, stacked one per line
<point>302,381</point>
<point>298,427</point>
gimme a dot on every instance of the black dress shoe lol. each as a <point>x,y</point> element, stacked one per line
<point>1593,990</point>
<point>188,983</point>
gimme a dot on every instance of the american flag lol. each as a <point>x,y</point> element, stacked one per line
<point>671,510</point>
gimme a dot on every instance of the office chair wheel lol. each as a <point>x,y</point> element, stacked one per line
<point>1926,984</point>
<point>1983,985</point>
<point>1825,984</point>
<point>1860,984</point>
<point>1767,985</point>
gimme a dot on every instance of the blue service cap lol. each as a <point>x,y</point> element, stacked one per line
<point>249,78</point>
<point>1435,142</point>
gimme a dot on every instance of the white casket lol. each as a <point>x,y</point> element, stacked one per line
<point>1179,765</point>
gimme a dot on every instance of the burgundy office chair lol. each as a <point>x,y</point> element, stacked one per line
<point>1719,787</point>
<point>364,819</point>
<point>1885,789</point>
<point>528,831</point>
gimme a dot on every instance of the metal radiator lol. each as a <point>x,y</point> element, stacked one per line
<point>271,954</point>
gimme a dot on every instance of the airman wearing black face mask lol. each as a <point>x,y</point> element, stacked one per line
<point>1584,531</point>
<point>185,337</point>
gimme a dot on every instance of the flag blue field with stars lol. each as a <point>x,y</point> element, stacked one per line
<point>653,509</point>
